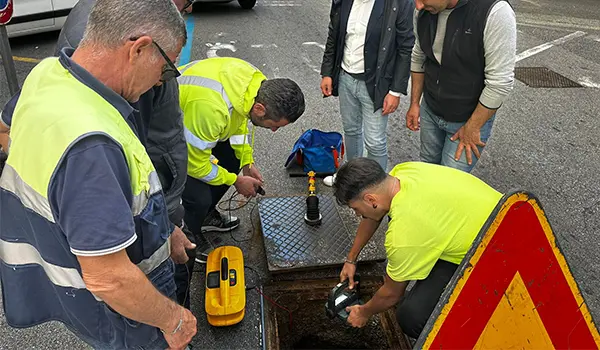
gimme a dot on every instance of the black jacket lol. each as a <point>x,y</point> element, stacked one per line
<point>159,119</point>
<point>388,46</point>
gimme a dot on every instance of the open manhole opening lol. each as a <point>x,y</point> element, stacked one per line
<point>310,327</point>
<point>542,77</point>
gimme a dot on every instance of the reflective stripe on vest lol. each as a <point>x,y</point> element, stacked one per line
<point>16,253</point>
<point>196,141</point>
<point>13,253</point>
<point>11,181</point>
<point>214,171</point>
<point>209,84</point>
<point>239,139</point>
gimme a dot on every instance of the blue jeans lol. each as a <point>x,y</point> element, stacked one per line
<point>436,146</point>
<point>360,118</point>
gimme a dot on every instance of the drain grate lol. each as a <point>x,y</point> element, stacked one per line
<point>542,77</point>
<point>292,244</point>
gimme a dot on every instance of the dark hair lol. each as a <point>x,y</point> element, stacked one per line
<point>356,176</point>
<point>282,99</point>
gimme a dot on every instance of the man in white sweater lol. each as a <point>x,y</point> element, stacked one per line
<point>463,66</point>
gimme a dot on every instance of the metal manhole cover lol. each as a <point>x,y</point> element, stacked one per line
<point>290,243</point>
<point>542,77</point>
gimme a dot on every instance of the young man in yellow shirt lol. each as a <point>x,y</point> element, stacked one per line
<point>435,214</point>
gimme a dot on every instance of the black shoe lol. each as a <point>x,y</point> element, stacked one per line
<point>203,248</point>
<point>217,222</point>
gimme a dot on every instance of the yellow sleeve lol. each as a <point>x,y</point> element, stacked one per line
<point>411,263</point>
<point>240,142</point>
<point>204,123</point>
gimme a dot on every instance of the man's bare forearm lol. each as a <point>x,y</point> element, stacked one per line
<point>366,229</point>
<point>127,290</point>
<point>387,296</point>
<point>481,115</point>
<point>418,80</point>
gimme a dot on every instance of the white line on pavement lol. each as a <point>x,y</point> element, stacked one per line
<point>315,44</point>
<point>263,45</point>
<point>534,3</point>
<point>535,50</point>
<point>587,82</point>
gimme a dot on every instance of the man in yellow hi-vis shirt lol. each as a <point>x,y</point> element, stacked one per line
<point>435,215</point>
<point>218,97</point>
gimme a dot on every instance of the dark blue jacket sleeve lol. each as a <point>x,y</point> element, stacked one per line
<point>9,109</point>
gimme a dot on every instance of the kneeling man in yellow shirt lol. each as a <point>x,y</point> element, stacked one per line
<point>435,214</point>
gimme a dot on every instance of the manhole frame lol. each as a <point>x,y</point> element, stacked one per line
<point>319,288</point>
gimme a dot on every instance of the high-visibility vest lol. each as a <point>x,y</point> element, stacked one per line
<point>41,277</point>
<point>216,96</point>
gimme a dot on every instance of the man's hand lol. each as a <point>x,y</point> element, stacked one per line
<point>247,185</point>
<point>469,138</point>
<point>348,272</point>
<point>390,104</point>
<point>179,244</point>
<point>412,117</point>
<point>327,86</point>
<point>184,334</point>
<point>357,316</point>
<point>253,172</point>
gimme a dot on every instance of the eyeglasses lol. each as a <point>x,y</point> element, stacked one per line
<point>188,3</point>
<point>169,70</point>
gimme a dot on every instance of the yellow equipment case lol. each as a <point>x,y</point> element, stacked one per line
<point>225,296</point>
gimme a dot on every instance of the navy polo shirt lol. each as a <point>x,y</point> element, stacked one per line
<point>90,193</point>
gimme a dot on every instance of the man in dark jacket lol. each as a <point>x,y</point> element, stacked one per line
<point>366,63</point>
<point>160,129</point>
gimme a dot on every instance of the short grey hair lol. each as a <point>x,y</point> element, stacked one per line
<point>113,22</point>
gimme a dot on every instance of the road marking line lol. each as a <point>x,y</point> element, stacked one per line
<point>315,44</point>
<point>534,3</point>
<point>263,45</point>
<point>27,59</point>
<point>535,50</point>
<point>587,82</point>
<point>186,52</point>
<point>542,21</point>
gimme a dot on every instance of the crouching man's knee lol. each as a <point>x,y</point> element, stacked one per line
<point>411,319</point>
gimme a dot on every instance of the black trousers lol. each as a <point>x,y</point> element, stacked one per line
<point>199,198</point>
<point>414,309</point>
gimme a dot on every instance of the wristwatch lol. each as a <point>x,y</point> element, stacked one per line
<point>353,262</point>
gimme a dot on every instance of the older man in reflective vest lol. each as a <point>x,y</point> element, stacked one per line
<point>85,237</point>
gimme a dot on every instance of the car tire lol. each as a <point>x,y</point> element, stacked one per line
<point>247,4</point>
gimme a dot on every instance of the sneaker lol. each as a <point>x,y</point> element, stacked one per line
<point>217,222</point>
<point>203,248</point>
<point>329,180</point>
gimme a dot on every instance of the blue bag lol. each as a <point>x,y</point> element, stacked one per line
<point>318,151</point>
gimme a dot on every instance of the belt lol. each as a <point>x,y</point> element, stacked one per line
<point>357,76</point>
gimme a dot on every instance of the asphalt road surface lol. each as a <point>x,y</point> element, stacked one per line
<point>544,140</point>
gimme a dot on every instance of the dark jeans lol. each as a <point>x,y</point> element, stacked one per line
<point>183,275</point>
<point>414,310</point>
<point>128,334</point>
<point>199,198</point>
